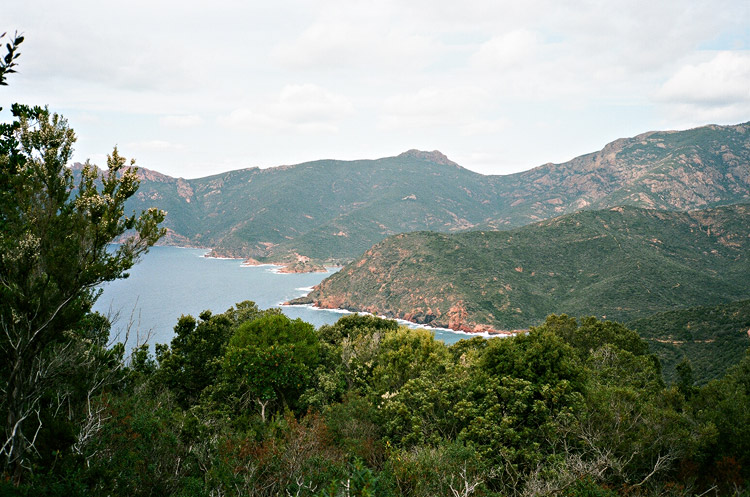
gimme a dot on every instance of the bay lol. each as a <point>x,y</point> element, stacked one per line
<point>171,281</point>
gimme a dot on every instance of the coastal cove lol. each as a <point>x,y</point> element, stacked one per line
<point>171,281</point>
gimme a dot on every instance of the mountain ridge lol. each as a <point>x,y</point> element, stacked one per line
<point>332,211</point>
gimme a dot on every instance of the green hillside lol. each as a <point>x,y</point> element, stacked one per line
<point>620,264</point>
<point>711,338</point>
<point>670,170</point>
<point>332,211</point>
<point>329,210</point>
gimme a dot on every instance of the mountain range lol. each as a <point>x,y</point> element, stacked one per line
<point>330,212</point>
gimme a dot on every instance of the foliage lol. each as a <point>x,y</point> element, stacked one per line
<point>712,338</point>
<point>192,362</point>
<point>525,388</point>
<point>333,211</point>
<point>592,334</point>
<point>405,354</point>
<point>270,359</point>
<point>139,450</point>
<point>53,253</point>
<point>566,409</point>
<point>725,404</point>
<point>8,62</point>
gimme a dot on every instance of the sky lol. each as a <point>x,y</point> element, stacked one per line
<point>194,88</point>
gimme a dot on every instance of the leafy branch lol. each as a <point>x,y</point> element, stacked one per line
<point>9,61</point>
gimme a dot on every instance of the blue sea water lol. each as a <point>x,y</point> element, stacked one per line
<point>171,281</point>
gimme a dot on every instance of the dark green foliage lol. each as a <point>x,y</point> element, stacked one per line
<point>269,359</point>
<point>53,253</point>
<point>406,354</point>
<point>429,470</point>
<point>138,451</point>
<point>193,360</point>
<point>592,334</point>
<point>539,357</point>
<point>725,404</point>
<point>712,338</point>
<point>685,379</point>
<point>360,481</point>
<point>428,409</point>
<point>8,61</point>
<point>567,409</point>
<point>355,429</point>
<point>524,387</point>
<point>586,487</point>
<point>353,325</point>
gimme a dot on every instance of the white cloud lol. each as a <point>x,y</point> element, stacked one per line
<point>506,50</point>
<point>722,80</point>
<point>310,103</point>
<point>180,122</point>
<point>154,146</point>
<point>383,76</point>
<point>362,43</point>
<point>432,106</point>
<point>485,127</point>
<point>305,108</point>
<point>716,90</point>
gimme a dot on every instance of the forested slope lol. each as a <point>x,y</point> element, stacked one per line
<point>621,263</point>
<point>711,338</point>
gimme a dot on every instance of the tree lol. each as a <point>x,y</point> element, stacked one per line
<point>405,354</point>
<point>54,252</point>
<point>270,359</point>
<point>193,360</point>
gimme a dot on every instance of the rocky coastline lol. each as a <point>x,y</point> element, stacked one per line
<point>418,319</point>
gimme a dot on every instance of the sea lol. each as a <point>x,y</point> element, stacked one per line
<point>169,282</point>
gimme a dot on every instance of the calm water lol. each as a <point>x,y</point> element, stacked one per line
<point>171,281</point>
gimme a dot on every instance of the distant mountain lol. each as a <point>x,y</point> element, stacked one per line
<point>670,170</point>
<point>328,210</point>
<point>332,211</point>
<point>621,263</point>
<point>712,338</point>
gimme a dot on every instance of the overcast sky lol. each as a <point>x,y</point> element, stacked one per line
<point>192,88</point>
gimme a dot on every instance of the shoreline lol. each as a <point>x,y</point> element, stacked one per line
<point>469,334</point>
<point>275,267</point>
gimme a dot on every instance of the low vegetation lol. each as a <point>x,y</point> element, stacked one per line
<point>332,211</point>
<point>709,339</point>
<point>249,402</point>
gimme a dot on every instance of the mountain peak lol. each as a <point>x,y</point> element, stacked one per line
<point>435,156</point>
